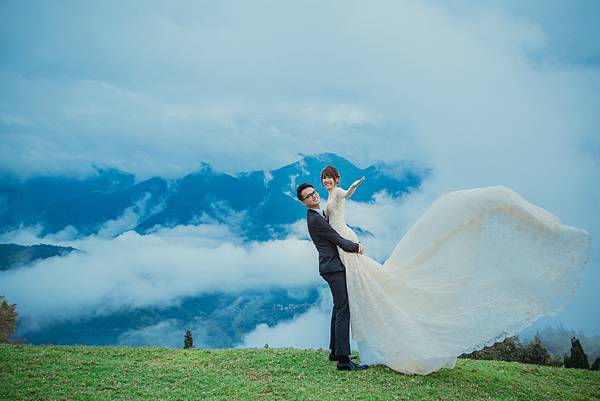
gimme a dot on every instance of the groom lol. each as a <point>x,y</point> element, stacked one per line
<point>326,240</point>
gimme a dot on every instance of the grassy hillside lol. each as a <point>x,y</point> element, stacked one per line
<point>124,373</point>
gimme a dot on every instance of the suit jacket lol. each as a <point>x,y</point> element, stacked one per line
<point>326,240</point>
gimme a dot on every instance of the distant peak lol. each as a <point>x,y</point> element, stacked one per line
<point>326,157</point>
<point>203,168</point>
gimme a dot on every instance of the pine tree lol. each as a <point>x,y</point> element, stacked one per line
<point>536,353</point>
<point>8,320</point>
<point>188,341</point>
<point>596,364</point>
<point>578,359</point>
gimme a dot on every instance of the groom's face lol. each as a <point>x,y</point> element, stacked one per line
<point>313,200</point>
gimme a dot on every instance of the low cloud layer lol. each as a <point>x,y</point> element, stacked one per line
<point>308,330</point>
<point>160,268</point>
<point>135,271</point>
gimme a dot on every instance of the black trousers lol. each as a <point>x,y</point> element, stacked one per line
<point>339,342</point>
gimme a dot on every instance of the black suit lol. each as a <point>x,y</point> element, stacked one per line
<point>326,240</point>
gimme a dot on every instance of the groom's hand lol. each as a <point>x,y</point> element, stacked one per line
<point>360,249</point>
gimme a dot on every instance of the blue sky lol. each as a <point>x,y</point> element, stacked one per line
<point>480,92</point>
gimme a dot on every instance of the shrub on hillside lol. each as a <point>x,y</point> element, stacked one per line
<point>8,320</point>
<point>509,350</point>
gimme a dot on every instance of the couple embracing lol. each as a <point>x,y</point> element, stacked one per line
<point>478,266</point>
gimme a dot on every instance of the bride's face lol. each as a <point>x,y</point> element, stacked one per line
<point>330,182</point>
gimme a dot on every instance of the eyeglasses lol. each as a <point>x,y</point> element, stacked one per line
<point>313,193</point>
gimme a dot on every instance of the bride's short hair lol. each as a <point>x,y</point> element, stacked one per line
<point>330,172</point>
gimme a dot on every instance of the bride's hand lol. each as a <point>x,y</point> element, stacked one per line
<point>358,182</point>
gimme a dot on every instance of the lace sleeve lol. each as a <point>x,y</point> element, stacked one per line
<point>341,193</point>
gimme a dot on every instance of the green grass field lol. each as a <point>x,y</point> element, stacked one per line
<point>127,373</point>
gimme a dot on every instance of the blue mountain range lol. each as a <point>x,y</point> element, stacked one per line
<point>267,198</point>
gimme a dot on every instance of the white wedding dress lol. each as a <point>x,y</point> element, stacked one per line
<point>478,266</point>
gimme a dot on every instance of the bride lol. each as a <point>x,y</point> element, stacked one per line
<point>478,266</point>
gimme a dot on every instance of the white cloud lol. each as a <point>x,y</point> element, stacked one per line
<point>308,330</point>
<point>268,176</point>
<point>158,269</point>
<point>130,217</point>
<point>166,333</point>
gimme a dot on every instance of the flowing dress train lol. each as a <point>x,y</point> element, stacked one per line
<point>478,266</point>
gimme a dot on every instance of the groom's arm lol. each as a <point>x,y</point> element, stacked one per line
<point>326,231</point>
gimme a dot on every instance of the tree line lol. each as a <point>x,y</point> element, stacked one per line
<point>511,350</point>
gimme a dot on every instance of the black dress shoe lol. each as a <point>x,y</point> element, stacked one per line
<point>333,357</point>
<point>350,366</point>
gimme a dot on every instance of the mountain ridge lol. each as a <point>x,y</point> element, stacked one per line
<point>268,197</point>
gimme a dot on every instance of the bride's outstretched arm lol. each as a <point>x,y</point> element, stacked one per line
<point>351,189</point>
